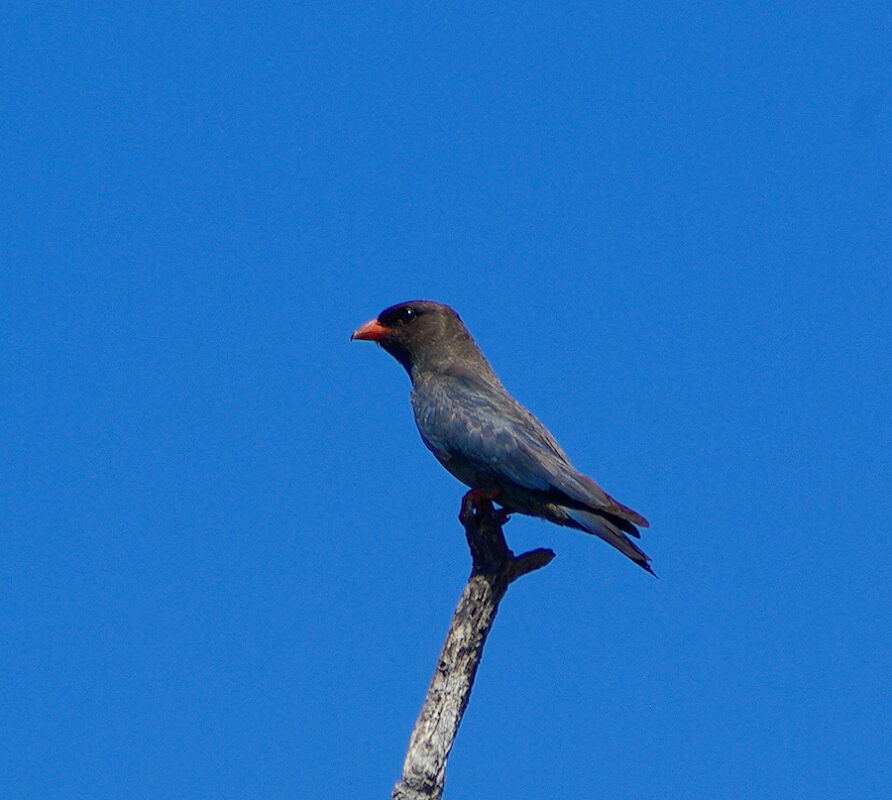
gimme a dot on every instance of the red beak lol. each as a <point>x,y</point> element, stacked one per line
<point>372,331</point>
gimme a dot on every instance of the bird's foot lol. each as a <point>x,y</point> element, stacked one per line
<point>479,501</point>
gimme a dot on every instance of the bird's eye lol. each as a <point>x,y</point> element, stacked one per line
<point>407,315</point>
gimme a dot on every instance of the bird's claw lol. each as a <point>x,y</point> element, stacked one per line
<point>502,515</point>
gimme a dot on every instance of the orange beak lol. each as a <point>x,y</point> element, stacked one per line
<point>372,331</point>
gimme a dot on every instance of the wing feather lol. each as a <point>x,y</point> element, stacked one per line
<point>483,428</point>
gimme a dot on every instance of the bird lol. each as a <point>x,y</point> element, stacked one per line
<point>484,437</point>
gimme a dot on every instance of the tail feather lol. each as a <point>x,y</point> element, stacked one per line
<point>608,530</point>
<point>575,490</point>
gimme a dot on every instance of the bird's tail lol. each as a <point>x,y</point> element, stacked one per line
<point>610,532</point>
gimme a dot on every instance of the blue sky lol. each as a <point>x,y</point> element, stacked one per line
<point>229,562</point>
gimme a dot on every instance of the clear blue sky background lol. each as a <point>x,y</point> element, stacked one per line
<point>228,562</point>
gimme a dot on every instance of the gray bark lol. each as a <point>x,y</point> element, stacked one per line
<point>495,567</point>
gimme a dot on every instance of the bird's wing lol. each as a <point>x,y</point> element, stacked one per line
<point>491,432</point>
<point>459,419</point>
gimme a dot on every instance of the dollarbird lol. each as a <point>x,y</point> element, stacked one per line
<point>484,437</point>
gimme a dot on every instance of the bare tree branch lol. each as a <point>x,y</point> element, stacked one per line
<point>495,567</point>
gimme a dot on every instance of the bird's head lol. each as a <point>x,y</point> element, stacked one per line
<point>420,334</point>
